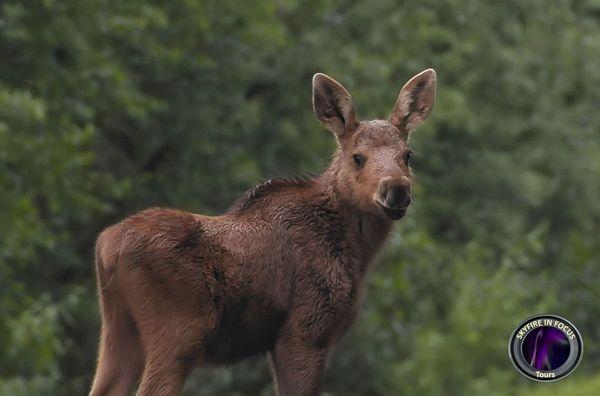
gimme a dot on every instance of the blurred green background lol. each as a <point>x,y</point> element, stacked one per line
<point>107,107</point>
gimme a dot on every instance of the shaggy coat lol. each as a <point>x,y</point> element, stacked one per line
<point>279,273</point>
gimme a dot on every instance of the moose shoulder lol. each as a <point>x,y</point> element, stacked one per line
<point>279,273</point>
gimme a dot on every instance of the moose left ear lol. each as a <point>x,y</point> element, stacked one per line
<point>333,106</point>
<point>414,102</point>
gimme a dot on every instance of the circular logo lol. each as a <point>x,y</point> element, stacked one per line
<point>545,347</point>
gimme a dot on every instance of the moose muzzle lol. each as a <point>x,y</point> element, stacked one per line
<point>394,196</point>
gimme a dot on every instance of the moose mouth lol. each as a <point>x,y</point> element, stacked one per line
<point>393,213</point>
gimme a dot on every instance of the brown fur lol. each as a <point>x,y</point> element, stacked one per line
<point>279,273</point>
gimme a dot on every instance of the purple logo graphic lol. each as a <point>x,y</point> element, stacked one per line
<point>546,348</point>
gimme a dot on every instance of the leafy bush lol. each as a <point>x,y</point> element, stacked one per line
<point>108,107</point>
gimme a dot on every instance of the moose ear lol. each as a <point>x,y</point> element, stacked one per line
<point>414,102</point>
<point>333,106</point>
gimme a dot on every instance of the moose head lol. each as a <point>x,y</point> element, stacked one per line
<point>372,165</point>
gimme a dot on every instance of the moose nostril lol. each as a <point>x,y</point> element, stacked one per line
<point>397,196</point>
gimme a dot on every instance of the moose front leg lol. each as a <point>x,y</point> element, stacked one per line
<point>297,366</point>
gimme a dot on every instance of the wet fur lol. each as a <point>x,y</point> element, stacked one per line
<point>280,273</point>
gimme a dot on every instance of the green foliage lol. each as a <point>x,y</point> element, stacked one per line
<point>575,386</point>
<point>108,107</point>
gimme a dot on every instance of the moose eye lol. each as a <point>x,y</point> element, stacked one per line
<point>358,159</point>
<point>408,157</point>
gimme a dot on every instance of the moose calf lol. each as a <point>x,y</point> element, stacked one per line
<point>280,273</point>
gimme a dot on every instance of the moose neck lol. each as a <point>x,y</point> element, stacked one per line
<point>369,230</point>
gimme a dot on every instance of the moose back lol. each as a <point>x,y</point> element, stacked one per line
<point>280,273</point>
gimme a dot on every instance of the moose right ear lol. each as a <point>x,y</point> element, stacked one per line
<point>333,106</point>
<point>414,102</point>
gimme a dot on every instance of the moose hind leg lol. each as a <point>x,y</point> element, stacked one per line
<point>163,375</point>
<point>174,345</point>
<point>121,357</point>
